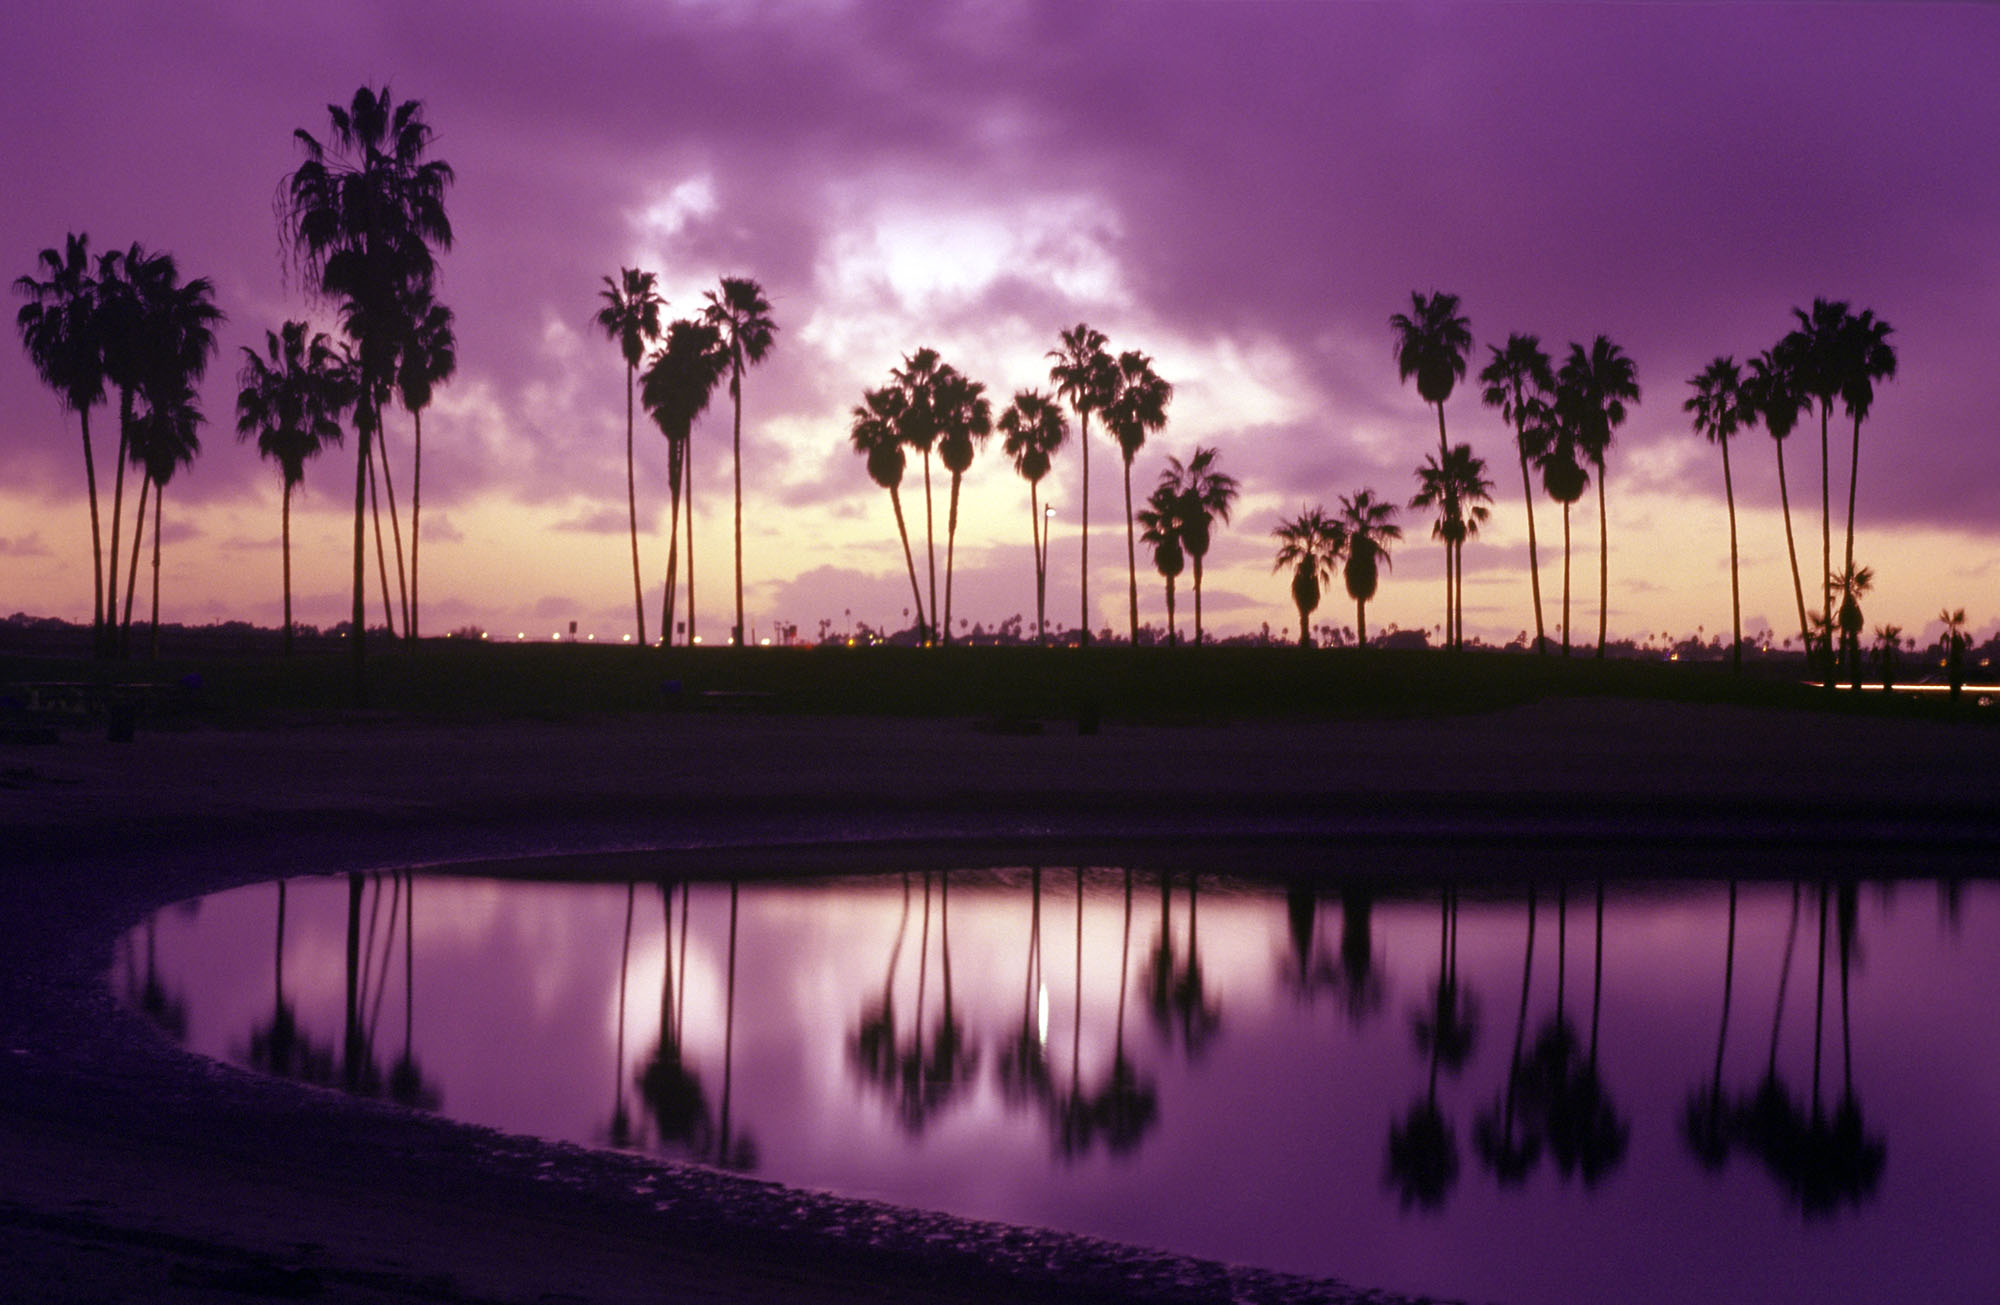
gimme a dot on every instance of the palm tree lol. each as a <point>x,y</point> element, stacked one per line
<point>917,426</point>
<point>1207,496</point>
<point>1722,406</point>
<point>1087,379</point>
<point>362,215</point>
<point>290,400</point>
<point>631,317</point>
<point>965,420</point>
<point>1459,483</point>
<point>1518,376</point>
<point>1368,527</point>
<point>166,438</point>
<point>1865,357</point>
<point>62,330</point>
<point>1166,531</point>
<point>1556,449</point>
<point>743,316</point>
<point>1773,389</point>
<point>876,433</point>
<point>1851,584</point>
<point>1813,350</point>
<point>1311,544</point>
<point>1601,382</point>
<point>429,359</point>
<point>1954,643</point>
<point>1034,428</point>
<point>1139,409</point>
<point>1432,340</point>
<point>679,382</point>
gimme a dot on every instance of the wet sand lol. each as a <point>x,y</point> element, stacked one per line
<point>130,1171</point>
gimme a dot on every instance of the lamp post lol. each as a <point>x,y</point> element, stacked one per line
<point>1042,578</point>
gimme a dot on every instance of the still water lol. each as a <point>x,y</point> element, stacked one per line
<point>1560,1091</point>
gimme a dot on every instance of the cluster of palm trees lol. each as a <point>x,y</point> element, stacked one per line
<point>733,330</point>
<point>122,322</point>
<point>1356,539</point>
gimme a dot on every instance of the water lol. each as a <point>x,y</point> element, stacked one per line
<point>1498,1092</point>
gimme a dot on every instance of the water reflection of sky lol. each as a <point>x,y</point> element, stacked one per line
<point>1251,1114</point>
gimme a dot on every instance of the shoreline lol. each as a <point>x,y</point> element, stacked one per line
<point>134,1171</point>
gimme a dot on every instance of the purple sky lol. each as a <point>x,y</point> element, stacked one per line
<point>1244,191</point>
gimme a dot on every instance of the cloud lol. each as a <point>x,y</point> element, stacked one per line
<point>24,546</point>
<point>597,521</point>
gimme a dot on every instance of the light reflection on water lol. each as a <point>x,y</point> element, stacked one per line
<point>1770,1091</point>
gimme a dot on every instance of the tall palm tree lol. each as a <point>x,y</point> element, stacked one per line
<point>1139,410</point>
<point>1722,406</point>
<point>363,214</point>
<point>965,420</point>
<point>1517,376</point>
<point>1087,379</point>
<point>875,430</point>
<point>917,425</point>
<point>1369,526</point>
<point>1207,496</point>
<point>1773,389</point>
<point>1458,488</point>
<point>429,359</point>
<point>1310,544</point>
<point>1865,357</point>
<point>1166,530</point>
<point>1432,340</point>
<point>62,331</point>
<point>1556,448</point>
<point>1600,382</point>
<point>290,399</point>
<point>1813,349</point>
<point>166,437</point>
<point>743,315</point>
<point>680,381</point>
<point>630,316</point>
<point>1033,429</point>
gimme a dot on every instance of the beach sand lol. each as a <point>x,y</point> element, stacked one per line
<point>131,1171</point>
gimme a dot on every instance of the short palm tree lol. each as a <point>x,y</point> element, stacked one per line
<point>1139,410</point>
<point>290,400</point>
<point>1556,449</point>
<point>1086,378</point>
<point>429,359</point>
<point>1851,584</point>
<point>1954,644</point>
<point>1310,544</point>
<point>1516,377</point>
<point>62,330</point>
<point>1721,407</point>
<point>630,316</point>
<point>1368,526</point>
<point>1458,485</point>
<point>875,430</point>
<point>1209,496</point>
<point>1772,387</point>
<point>1033,429</point>
<point>965,421</point>
<point>166,437</point>
<point>1164,529</point>
<point>678,383</point>
<point>743,315</point>
<point>362,215</point>
<point>1599,382</point>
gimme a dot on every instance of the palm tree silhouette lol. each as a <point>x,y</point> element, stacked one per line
<point>1360,969</point>
<point>1458,485</point>
<point>1368,527</point>
<point>1431,342</point>
<point>62,329</point>
<point>362,215</point>
<point>429,359</point>
<point>407,1085</point>
<point>1557,450</point>
<point>291,399</point>
<point>1722,407</point>
<point>1954,644</point>
<point>1128,1105</point>
<point>1507,1139</point>
<point>631,317</point>
<point>671,1088</point>
<point>965,420</point>
<point>743,316</point>
<point>1865,357</point>
<point>1599,382</point>
<point>1518,376</point>
<point>1207,496</point>
<point>165,438</point>
<point>1034,429</point>
<point>1165,531</point>
<point>917,422</point>
<point>1851,584</point>
<point>1813,350</point>
<point>1023,1065</point>
<point>1311,544</point>
<point>1773,389</point>
<point>1087,379</point>
<point>875,430</point>
<point>279,1046</point>
<point>679,382</point>
<point>1139,410</point>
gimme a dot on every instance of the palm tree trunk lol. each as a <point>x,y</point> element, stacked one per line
<point>358,633</point>
<point>117,519</point>
<point>632,508</point>
<point>676,458</point>
<point>909,559</point>
<point>1131,555</point>
<point>1735,586</point>
<point>930,547</point>
<point>950,551</point>
<point>416,511</point>
<point>1083,527</point>
<point>1361,622</point>
<point>132,568</point>
<point>97,617</point>
<point>1534,563</point>
<point>1565,579</point>
<point>736,448</point>
<point>381,554</point>
<point>286,540</point>
<point>1447,595</point>
<point>1792,551</point>
<point>1728,989</point>
<point>1037,536</point>
<point>1170,611</point>
<point>1197,600</point>
<point>1853,478</point>
<point>1603,565</point>
<point>154,640</point>
<point>395,529</point>
<point>1831,675</point>
<point>687,468</point>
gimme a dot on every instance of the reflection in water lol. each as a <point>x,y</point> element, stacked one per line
<point>834,1035</point>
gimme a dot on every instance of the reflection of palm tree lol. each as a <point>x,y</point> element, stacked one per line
<point>1310,970</point>
<point>1509,1153</point>
<point>1024,1064</point>
<point>731,1152</point>
<point>1070,1109</point>
<point>1705,1124</point>
<point>619,1131</point>
<point>1423,1150</point>
<point>1176,990</point>
<point>1360,977</point>
<point>1585,1131</point>
<point>406,1077</point>
<point>1448,1025</point>
<point>1129,1104</point>
<point>669,1087</point>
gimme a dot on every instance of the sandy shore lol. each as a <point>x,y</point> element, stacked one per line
<point>132,1172</point>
